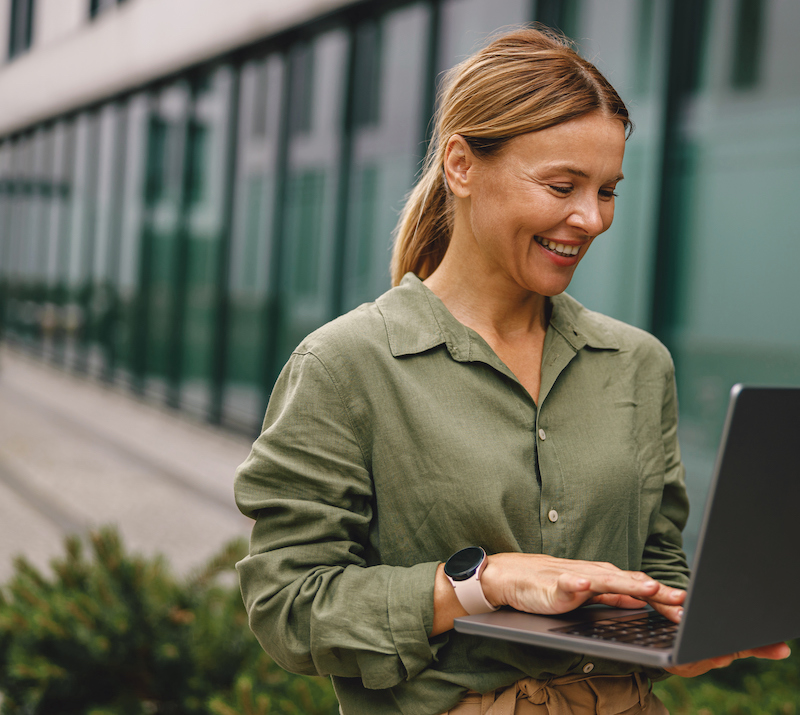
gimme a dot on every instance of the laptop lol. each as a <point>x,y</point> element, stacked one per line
<point>745,581</point>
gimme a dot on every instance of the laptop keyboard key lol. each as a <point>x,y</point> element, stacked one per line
<point>652,631</point>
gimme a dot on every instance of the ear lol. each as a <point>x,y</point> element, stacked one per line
<point>458,160</point>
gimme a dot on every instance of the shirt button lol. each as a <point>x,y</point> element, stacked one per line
<point>588,668</point>
<point>552,515</point>
<point>542,434</point>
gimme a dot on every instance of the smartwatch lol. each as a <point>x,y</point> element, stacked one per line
<point>463,569</point>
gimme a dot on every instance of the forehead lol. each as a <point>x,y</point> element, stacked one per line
<point>591,146</point>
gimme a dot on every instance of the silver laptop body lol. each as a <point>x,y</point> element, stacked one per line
<point>746,577</point>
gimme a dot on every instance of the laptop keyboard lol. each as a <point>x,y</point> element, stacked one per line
<point>651,630</point>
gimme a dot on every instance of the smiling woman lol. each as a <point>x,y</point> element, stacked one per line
<point>477,412</point>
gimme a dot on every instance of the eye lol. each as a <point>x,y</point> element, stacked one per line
<point>561,189</point>
<point>607,194</point>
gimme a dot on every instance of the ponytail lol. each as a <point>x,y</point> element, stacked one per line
<point>423,232</point>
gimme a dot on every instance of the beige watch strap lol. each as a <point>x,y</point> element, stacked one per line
<point>470,593</point>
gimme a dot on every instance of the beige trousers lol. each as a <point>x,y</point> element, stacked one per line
<point>567,695</point>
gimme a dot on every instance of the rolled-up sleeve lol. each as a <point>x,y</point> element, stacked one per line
<point>314,602</point>
<point>663,557</point>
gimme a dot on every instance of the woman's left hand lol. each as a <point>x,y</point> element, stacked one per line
<point>776,651</point>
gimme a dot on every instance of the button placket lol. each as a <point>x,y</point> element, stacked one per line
<point>552,489</point>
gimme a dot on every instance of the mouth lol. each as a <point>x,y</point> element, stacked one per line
<point>560,249</point>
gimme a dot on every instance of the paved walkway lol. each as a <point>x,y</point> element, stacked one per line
<point>75,454</point>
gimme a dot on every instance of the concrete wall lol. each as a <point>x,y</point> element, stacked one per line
<point>56,20</point>
<point>78,63</point>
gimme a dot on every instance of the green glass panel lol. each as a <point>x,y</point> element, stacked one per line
<point>203,235</point>
<point>251,285</point>
<point>304,230</point>
<point>385,146</point>
<point>310,253</point>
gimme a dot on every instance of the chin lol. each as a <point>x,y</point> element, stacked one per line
<point>547,288</point>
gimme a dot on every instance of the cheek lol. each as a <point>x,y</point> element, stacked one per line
<point>608,215</point>
<point>489,213</point>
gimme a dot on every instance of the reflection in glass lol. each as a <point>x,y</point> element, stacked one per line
<point>386,144</point>
<point>252,284</point>
<point>317,81</point>
<point>203,239</point>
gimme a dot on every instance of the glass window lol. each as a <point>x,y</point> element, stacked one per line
<point>317,76</point>
<point>61,237</point>
<point>468,24</point>
<point>558,14</point>
<point>103,304</point>
<point>131,293</point>
<point>736,290</point>
<point>83,208</point>
<point>38,232</point>
<point>388,115</point>
<point>5,229</point>
<point>20,27</point>
<point>207,188</point>
<point>747,46</point>
<point>20,316</point>
<point>96,7</point>
<point>56,251</point>
<point>252,277</point>
<point>158,338</point>
<point>615,277</point>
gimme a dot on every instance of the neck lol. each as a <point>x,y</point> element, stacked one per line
<point>487,303</point>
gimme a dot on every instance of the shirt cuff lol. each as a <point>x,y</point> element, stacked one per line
<point>410,605</point>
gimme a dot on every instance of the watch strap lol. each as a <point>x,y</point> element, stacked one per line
<point>470,596</point>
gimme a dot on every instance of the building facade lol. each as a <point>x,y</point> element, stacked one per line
<point>188,187</point>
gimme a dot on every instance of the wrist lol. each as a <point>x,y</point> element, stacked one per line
<point>491,581</point>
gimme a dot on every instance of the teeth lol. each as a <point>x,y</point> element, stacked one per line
<point>560,248</point>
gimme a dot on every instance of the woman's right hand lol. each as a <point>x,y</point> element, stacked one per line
<point>537,583</point>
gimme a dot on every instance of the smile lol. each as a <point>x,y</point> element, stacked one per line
<point>561,249</point>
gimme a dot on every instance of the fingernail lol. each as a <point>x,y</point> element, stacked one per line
<point>680,613</point>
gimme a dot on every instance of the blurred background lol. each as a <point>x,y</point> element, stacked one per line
<point>189,187</point>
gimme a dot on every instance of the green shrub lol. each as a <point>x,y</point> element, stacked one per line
<point>117,634</point>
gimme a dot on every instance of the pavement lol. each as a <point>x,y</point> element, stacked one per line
<point>76,454</point>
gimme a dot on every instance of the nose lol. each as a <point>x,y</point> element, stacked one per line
<point>588,215</point>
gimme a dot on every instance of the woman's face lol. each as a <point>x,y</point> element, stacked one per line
<point>528,215</point>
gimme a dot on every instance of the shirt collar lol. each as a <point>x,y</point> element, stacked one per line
<point>417,321</point>
<point>580,326</point>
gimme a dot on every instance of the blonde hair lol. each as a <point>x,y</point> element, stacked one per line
<point>524,81</point>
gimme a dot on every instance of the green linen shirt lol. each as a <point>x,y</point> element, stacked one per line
<point>396,436</point>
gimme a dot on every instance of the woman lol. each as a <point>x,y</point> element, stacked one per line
<point>475,405</point>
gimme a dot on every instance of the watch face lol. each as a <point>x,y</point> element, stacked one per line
<point>462,564</point>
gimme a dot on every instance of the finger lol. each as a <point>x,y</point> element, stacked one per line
<point>574,583</point>
<point>776,651</point>
<point>623,583</point>
<point>618,600</point>
<point>668,596</point>
<point>674,613</point>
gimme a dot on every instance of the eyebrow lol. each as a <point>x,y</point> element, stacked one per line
<point>577,172</point>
